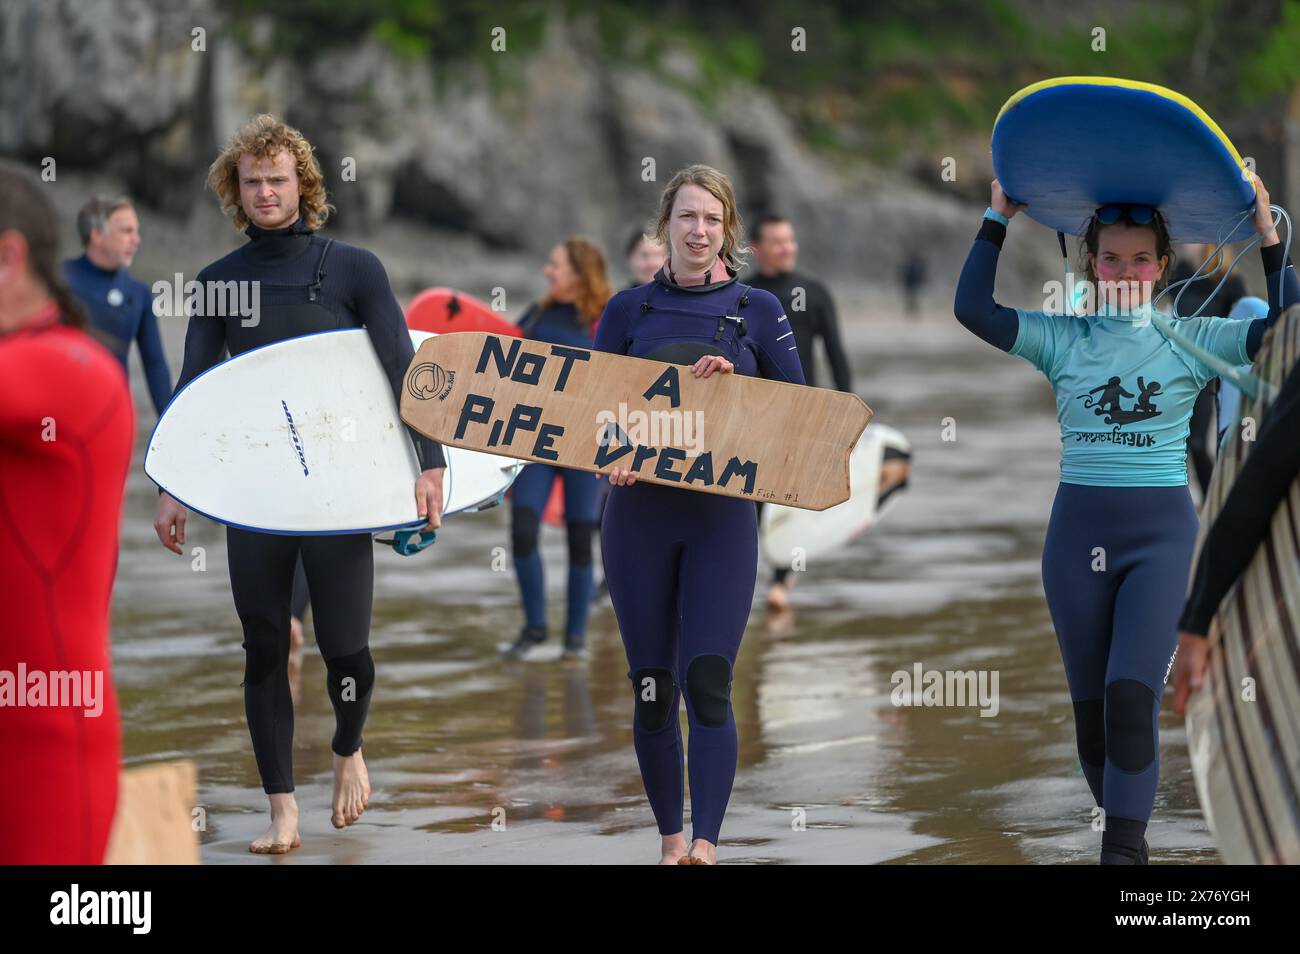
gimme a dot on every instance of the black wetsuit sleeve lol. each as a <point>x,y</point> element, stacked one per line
<point>374,303</point>
<point>974,305</point>
<point>1243,523</point>
<point>839,361</point>
<point>153,357</point>
<point>205,343</point>
<point>1274,262</point>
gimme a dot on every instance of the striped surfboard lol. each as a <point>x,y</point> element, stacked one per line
<point>1243,726</point>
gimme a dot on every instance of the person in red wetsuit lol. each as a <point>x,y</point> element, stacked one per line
<point>66,427</point>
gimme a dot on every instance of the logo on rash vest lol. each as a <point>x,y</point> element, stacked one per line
<point>1108,404</point>
<point>428,381</point>
<point>297,441</point>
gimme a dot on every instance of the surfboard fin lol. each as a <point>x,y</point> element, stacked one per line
<point>496,501</point>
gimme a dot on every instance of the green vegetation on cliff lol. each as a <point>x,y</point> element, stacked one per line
<point>873,78</point>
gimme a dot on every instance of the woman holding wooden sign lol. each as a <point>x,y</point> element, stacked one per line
<point>682,566</point>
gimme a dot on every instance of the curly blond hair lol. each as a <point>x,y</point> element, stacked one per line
<point>719,186</point>
<point>264,137</point>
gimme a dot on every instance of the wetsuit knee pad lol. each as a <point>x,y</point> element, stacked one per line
<point>261,655</point>
<point>524,526</point>
<point>656,698</point>
<point>1090,730</point>
<point>359,666</point>
<point>1130,739</point>
<point>708,685</point>
<point>580,533</point>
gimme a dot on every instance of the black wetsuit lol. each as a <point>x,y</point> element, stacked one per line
<point>814,319</point>
<point>121,307</point>
<point>308,284</point>
<point>1243,523</point>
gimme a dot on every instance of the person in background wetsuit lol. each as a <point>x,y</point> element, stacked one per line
<point>1248,309</point>
<point>645,256</point>
<point>119,306</point>
<point>681,565</point>
<point>66,429</point>
<point>812,316</point>
<point>268,180</point>
<point>1122,529</point>
<point>911,276</point>
<point>1202,429</point>
<point>577,290</point>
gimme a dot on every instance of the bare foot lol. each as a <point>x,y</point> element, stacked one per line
<point>351,789</point>
<point>778,597</point>
<point>672,849</point>
<point>702,853</point>
<point>282,836</point>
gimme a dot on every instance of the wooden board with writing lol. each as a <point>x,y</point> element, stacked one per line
<point>727,434</point>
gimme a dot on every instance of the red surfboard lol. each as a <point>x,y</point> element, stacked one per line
<point>445,311</point>
<point>553,515</point>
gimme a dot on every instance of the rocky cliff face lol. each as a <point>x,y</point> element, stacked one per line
<point>127,92</point>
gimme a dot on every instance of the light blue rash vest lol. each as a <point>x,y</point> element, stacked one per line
<point>1124,392</point>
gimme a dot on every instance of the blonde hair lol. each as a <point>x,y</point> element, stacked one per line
<point>588,263</point>
<point>264,137</point>
<point>719,186</point>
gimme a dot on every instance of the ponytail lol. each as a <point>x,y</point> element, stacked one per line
<point>71,312</point>
<point>25,209</point>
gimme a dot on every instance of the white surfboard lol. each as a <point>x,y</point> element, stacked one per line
<point>786,531</point>
<point>303,437</point>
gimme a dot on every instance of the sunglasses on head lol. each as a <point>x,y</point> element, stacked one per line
<point>1137,214</point>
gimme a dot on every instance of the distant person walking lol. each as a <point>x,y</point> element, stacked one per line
<point>912,277</point>
<point>119,306</point>
<point>813,319</point>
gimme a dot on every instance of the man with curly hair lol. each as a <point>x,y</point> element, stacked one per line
<point>269,182</point>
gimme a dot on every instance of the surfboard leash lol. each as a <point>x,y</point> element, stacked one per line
<point>1247,382</point>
